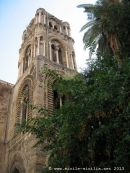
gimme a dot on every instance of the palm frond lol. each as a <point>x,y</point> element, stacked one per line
<point>88,24</point>
<point>87,34</point>
<point>87,7</point>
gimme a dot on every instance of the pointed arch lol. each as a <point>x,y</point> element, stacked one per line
<point>25,94</point>
<point>18,163</point>
<point>27,57</point>
<point>57,51</point>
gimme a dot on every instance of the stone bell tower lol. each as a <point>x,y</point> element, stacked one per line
<point>47,37</point>
<point>46,42</point>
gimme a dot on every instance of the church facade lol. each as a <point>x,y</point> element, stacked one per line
<point>46,42</point>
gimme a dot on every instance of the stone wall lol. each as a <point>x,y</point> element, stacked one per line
<point>5,89</point>
<point>46,42</point>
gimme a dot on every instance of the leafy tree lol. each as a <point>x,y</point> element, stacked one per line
<point>106,28</point>
<point>92,128</point>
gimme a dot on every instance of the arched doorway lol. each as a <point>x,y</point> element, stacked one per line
<point>16,171</point>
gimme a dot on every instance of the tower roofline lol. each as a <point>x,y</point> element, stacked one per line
<point>41,9</point>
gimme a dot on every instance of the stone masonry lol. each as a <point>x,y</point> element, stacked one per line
<point>46,42</point>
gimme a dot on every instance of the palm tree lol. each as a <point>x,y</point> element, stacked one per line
<point>102,30</point>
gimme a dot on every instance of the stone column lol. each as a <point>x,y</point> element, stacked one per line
<point>21,71</point>
<point>60,101</point>
<point>60,29</point>
<point>39,17</point>
<point>44,50</point>
<point>72,61</point>
<point>69,32</point>
<point>75,63</point>
<point>50,50</point>
<point>31,53</point>
<point>57,56</point>
<point>38,53</point>
<point>34,49</point>
<point>44,19</point>
<point>66,30</point>
<point>67,59</point>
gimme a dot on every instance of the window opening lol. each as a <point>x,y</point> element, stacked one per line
<point>60,56</point>
<point>55,27</point>
<point>56,100</point>
<point>41,38</point>
<point>27,58</point>
<point>50,24</point>
<point>24,105</point>
<point>16,171</point>
<point>53,53</point>
<point>73,57</point>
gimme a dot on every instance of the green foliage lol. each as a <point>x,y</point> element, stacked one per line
<point>110,27</point>
<point>92,128</point>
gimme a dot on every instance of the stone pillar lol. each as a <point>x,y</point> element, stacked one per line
<point>60,29</point>
<point>72,61</point>
<point>39,17</point>
<point>57,57</point>
<point>66,30</point>
<point>31,53</point>
<point>44,46</point>
<point>34,49</point>
<point>60,101</point>
<point>69,32</point>
<point>38,53</point>
<point>75,63</point>
<point>22,66</point>
<point>67,59</point>
<point>50,50</point>
<point>44,19</point>
<point>56,51</point>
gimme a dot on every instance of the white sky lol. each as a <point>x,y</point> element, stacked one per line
<point>15,15</point>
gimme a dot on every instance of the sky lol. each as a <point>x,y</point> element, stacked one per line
<point>15,15</point>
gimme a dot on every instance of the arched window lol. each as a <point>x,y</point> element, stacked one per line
<point>53,53</point>
<point>58,99</point>
<point>41,38</point>
<point>55,27</point>
<point>36,47</point>
<point>42,46</point>
<point>57,52</point>
<point>27,58</point>
<point>64,30</point>
<point>23,111</point>
<point>25,104</point>
<point>16,171</point>
<point>50,24</point>
<point>60,55</point>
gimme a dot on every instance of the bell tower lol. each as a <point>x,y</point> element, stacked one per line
<point>49,38</point>
<point>47,42</point>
